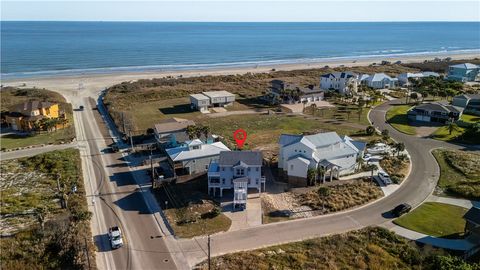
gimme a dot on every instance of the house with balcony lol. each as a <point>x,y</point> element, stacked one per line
<point>194,156</point>
<point>210,99</point>
<point>379,81</point>
<point>405,78</point>
<point>342,82</point>
<point>287,93</point>
<point>25,116</point>
<point>469,102</point>
<point>328,151</point>
<point>237,171</point>
<point>465,72</point>
<point>172,132</point>
<point>434,112</point>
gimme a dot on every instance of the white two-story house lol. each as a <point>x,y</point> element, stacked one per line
<point>334,154</point>
<point>342,82</point>
<point>379,81</point>
<point>237,170</point>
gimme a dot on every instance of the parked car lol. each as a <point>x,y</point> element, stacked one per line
<point>401,209</point>
<point>115,236</point>
<point>385,178</point>
<point>367,157</point>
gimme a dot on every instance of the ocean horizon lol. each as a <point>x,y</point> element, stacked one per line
<point>33,49</point>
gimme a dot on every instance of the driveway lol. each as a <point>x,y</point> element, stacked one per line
<point>416,188</point>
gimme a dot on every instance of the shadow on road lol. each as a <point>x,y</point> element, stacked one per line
<point>388,215</point>
<point>102,242</point>
<point>134,202</point>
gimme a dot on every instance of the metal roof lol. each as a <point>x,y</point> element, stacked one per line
<point>232,158</point>
<point>465,66</point>
<point>216,94</point>
<point>199,97</point>
<point>206,150</point>
<point>173,124</point>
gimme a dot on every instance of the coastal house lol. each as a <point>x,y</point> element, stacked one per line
<point>379,81</point>
<point>404,78</point>
<point>472,225</point>
<point>209,99</point>
<point>194,156</point>
<point>342,82</point>
<point>25,116</point>
<point>469,102</point>
<point>172,132</point>
<point>434,112</point>
<point>237,170</point>
<point>335,155</point>
<point>464,72</point>
<point>286,93</point>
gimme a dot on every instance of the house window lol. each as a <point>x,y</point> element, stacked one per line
<point>257,169</point>
<point>206,167</point>
<point>291,167</point>
<point>240,171</point>
<point>223,181</point>
<point>223,169</point>
<point>256,181</point>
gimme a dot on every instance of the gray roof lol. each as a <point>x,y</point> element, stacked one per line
<point>286,139</point>
<point>380,77</point>
<point>339,75</point>
<point>473,215</point>
<point>184,153</point>
<point>172,125</point>
<point>199,97</point>
<point>29,106</point>
<point>438,107</point>
<point>215,94</point>
<point>323,139</point>
<point>232,158</point>
<point>465,66</point>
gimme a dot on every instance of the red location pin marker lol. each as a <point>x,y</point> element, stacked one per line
<point>240,136</point>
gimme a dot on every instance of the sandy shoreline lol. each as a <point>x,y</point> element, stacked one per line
<point>98,82</point>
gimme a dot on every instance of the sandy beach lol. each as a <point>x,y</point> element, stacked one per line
<point>98,82</point>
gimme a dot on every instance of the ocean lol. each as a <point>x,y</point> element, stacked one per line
<point>32,49</point>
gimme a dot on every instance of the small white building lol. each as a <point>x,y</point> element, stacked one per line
<point>380,81</point>
<point>237,170</point>
<point>334,154</point>
<point>200,102</point>
<point>404,78</point>
<point>209,99</point>
<point>342,82</point>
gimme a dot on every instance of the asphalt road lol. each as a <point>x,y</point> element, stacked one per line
<point>34,151</point>
<point>115,198</point>
<point>415,189</point>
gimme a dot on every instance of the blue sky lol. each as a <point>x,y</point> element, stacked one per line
<point>230,10</point>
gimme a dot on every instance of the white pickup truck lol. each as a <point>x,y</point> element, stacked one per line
<point>115,236</point>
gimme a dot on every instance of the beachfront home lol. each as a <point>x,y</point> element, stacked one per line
<point>404,78</point>
<point>342,82</point>
<point>286,93</point>
<point>237,170</point>
<point>26,116</point>
<point>331,153</point>
<point>472,225</point>
<point>464,72</point>
<point>469,102</point>
<point>172,132</point>
<point>194,156</point>
<point>435,112</point>
<point>379,81</point>
<point>209,99</point>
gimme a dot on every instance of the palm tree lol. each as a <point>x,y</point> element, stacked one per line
<point>311,175</point>
<point>372,167</point>
<point>452,127</point>
<point>360,162</point>
<point>313,107</point>
<point>191,129</point>
<point>323,192</point>
<point>399,147</point>
<point>206,131</point>
<point>321,173</point>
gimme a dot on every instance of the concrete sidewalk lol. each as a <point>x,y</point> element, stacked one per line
<point>453,244</point>
<point>454,201</point>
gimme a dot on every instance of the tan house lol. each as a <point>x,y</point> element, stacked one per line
<point>23,117</point>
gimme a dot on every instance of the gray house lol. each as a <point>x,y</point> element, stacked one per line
<point>194,156</point>
<point>296,93</point>
<point>209,99</point>
<point>464,72</point>
<point>434,112</point>
<point>470,103</point>
<point>172,132</point>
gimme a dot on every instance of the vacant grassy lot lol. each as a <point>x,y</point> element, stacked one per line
<point>190,211</point>
<point>370,248</point>
<point>459,174</point>
<point>396,167</point>
<point>266,129</point>
<point>13,96</point>
<point>128,97</point>
<point>342,112</point>
<point>397,117</point>
<point>342,196</point>
<point>435,219</point>
<point>459,134</point>
<point>47,224</point>
<point>443,134</point>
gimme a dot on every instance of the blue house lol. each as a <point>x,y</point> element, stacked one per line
<point>464,72</point>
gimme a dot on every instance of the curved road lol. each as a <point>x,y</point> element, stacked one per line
<point>416,188</point>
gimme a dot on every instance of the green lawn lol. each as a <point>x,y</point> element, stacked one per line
<point>470,118</point>
<point>54,137</point>
<point>435,219</point>
<point>443,134</point>
<point>459,174</point>
<point>266,129</point>
<point>397,117</point>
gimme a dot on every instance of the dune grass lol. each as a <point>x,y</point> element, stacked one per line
<point>435,219</point>
<point>397,117</point>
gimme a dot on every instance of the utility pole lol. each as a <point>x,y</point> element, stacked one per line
<point>131,138</point>
<point>209,257</point>
<point>151,167</point>
<point>123,123</point>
